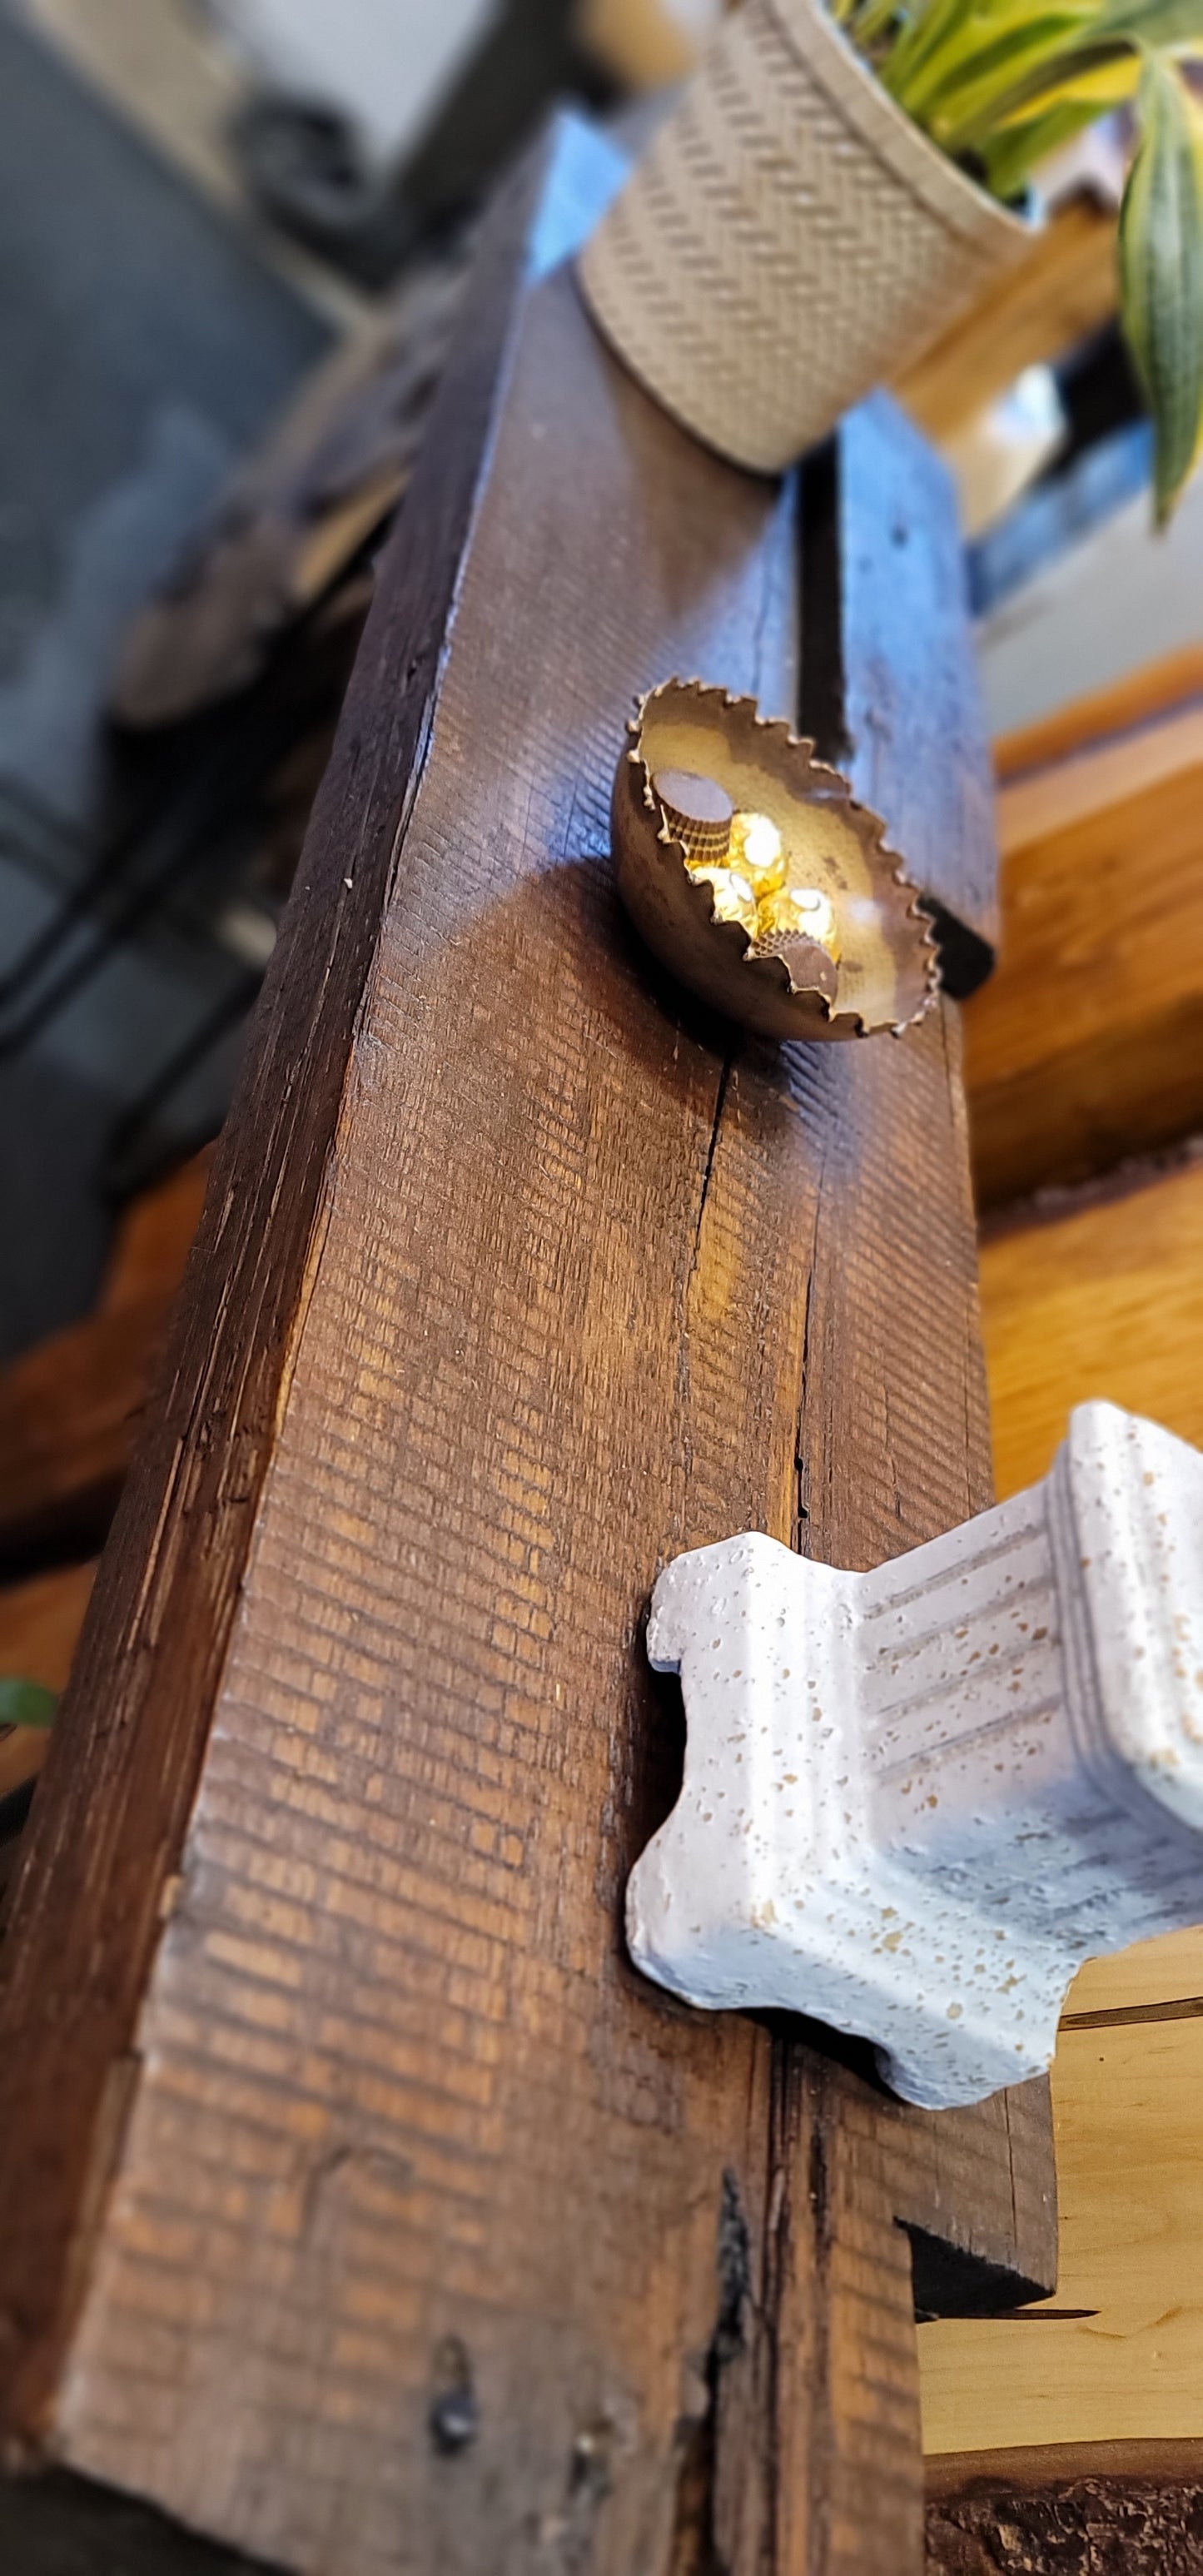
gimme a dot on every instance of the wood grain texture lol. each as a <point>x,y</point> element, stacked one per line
<point>1061,292</point>
<point>1030,2466</point>
<point>1101,1299</point>
<point>1118,2355</point>
<point>891,693</point>
<point>1088,1043</point>
<point>437,2240</point>
<point>1155,1980</point>
<point>184,1528</point>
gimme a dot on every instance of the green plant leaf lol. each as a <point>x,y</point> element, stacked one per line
<point>998,84</point>
<point>1010,157</point>
<point>1152,22</point>
<point>1161,272</point>
<point>1027,84</point>
<point>869,22</point>
<point>1018,135</point>
<point>1000,48</point>
<point>1096,90</point>
<point>25,1703</point>
<point>933,29</point>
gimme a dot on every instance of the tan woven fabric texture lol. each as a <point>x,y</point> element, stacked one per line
<point>790,239</point>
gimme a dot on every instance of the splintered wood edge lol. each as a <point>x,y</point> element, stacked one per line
<point>884,864</point>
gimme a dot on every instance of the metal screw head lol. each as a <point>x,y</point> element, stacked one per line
<point>454,2416</point>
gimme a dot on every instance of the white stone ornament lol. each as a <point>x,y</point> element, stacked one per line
<point>916,1800</point>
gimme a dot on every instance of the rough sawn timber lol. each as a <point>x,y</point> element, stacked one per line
<point>889,680</point>
<point>373,2215</point>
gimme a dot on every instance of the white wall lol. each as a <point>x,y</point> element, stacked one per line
<point>1121,598</point>
<point>386,61</point>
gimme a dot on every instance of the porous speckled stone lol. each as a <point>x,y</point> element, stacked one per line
<point>915,1800</point>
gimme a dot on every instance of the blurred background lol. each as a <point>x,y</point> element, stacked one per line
<point>232,238</point>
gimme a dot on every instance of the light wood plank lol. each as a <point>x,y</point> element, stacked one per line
<point>1088,1043</point>
<point>1142,1980</point>
<point>1106,1300</point>
<point>1128,2109</point>
<point>1147,695</point>
<point>1094,782</point>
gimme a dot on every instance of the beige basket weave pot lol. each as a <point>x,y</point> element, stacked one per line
<point>789,241</point>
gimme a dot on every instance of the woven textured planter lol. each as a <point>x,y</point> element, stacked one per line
<point>790,239</point>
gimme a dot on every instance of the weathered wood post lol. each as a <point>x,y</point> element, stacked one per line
<point>359,2206</point>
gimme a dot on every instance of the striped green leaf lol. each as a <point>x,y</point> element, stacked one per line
<point>1161,272</point>
<point>999,84</point>
<point>1152,22</point>
<point>1009,157</point>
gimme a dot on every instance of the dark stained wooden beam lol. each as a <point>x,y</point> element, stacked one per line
<point>188,1517</point>
<point>359,2206</point>
<point>889,680</point>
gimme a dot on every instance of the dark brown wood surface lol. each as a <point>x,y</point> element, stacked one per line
<point>1089,2509</point>
<point>439,2241</point>
<point>187,1520</point>
<point>889,680</point>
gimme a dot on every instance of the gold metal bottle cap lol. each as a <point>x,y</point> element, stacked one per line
<point>754,873</point>
<point>697,810</point>
<point>811,968</point>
